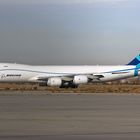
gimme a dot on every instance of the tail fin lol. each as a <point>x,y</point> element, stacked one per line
<point>135,61</point>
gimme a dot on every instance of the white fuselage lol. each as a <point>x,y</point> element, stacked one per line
<point>28,73</point>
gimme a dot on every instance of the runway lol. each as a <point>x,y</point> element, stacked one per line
<point>69,116</point>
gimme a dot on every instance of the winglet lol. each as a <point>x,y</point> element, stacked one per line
<point>135,61</point>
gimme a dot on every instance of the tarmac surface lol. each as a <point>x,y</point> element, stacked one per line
<point>69,116</point>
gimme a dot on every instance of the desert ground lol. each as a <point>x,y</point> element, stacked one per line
<point>89,88</point>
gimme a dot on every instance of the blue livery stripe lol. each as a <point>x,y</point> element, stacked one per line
<point>43,72</point>
<point>136,72</point>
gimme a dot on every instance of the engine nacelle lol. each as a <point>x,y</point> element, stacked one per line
<point>80,79</point>
<point>54,81</point>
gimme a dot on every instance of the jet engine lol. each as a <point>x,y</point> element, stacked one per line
<point>54,81</point>
<point>80,79</point>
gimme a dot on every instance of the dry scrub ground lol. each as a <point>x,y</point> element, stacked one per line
<point>90,88</point>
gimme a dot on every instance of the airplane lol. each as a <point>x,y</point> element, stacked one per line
<point>67,76</point>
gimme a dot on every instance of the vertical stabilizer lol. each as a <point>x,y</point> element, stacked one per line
<point>135,61</point>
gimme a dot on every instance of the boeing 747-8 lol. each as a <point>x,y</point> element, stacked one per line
<point>67,76</point>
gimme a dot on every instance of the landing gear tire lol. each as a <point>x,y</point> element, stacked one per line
<point>69,86</point>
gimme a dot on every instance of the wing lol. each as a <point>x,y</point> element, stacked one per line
<point>69,78</point>
<point>96,77</point>
<point>77,79</point>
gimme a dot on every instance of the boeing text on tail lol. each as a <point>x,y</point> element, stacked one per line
<point>67,76</point>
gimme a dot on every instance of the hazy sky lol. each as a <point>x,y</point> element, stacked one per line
<point>69,31</point>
